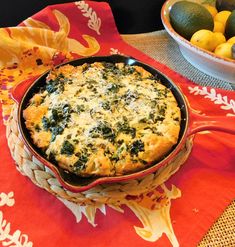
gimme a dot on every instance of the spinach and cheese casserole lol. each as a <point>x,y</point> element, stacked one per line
<point>103,119</point>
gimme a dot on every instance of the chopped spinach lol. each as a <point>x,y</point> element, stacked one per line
<point>125,128</point>
<point>159,115</point>
<point>67,148</point>
<point>114,157</point>
<point>105,105</point>
<point>176,119</point>
<point>57,121</point>
<point>85,67</point>
<point>162,109</point>
<point>56,84</point>
<point>80,164</point>
<point>76,141</point>
<point>80,108</point>
<point>153,103</point>
<point>143,162</point>
<point>130,96</point>
<point>66,109</point>
<point>108,66</point>
<point>136,147</point>
<point>159,118</point>
<point>52,158</point>
<point>120,141</point>
<point>56,117</point>
<point>57,130</point>
<point>143,120</point>
<point>56,114</point>
<point>37,128</point>
<point>129,69</point>
<point>45,123</point>
<point>51,87</point>
<point>113,88</point>
<point>154,130</point>
<point>154,117</point>
<point>104,130</point>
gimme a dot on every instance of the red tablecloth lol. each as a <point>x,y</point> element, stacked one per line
<point>29,216</point>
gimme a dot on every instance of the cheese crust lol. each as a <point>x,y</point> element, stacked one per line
<point>103,119</point>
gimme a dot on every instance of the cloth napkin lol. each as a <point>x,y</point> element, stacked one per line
<point>29,216</point>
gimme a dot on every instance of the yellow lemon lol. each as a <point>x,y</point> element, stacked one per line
<point>211,9</point>
<point>222,16</point>
<point>218,27</point>
<point>231,40</point>
<point>224,50</point>
<point>219,38</point>
<point>204,39</point>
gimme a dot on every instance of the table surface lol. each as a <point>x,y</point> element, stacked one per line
<point>160,46</point>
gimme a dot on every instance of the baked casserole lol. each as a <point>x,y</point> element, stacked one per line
<point>103,119</point>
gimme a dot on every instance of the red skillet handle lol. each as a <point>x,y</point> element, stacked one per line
<point>199,122</point>
<point>19,90</point>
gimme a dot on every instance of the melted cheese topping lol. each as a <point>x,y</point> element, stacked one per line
<point>103,119</point>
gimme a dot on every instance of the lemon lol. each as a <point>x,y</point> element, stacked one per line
<point>188,17</point>
<point>211,9</point>
<point>230,26</point>
<point>222,16</point>
<point>224,50</point>
<point>218,27</point>
<point>231,40</point>
<point>219,38</point>
<point>204,39</point>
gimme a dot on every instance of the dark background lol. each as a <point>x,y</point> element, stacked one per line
<point>131,16</point>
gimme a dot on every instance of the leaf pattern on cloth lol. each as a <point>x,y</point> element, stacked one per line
<point>89,211</point>
<point>17,239</point>
<point>7,199</point>
<point>115,51</point>
<point>217,98</point>
<point>35,33</point>
<point>32,49</point>
<point>94,21</point>
<point>153,210</point>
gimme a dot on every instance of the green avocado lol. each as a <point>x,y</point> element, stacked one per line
<point>225,5</point>
<point>233,51</point>
<point>230,26</point>
<point>188,17</point>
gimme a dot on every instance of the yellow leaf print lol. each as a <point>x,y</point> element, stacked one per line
<point>57,40</point>
<point>32,49</point>
<point>30,22</point>
<point>153,210</point>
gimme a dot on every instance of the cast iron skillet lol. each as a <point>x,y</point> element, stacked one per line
<point>191,123</point>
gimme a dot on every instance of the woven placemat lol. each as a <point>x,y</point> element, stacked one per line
<point>115,193</point>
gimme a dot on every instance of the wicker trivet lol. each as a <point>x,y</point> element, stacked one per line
<point>114,193</point>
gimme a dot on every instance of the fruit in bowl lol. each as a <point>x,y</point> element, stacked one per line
<point>205,34</point>
<point>204,26</point>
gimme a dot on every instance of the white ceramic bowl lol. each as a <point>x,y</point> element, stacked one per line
<point>208,62</point>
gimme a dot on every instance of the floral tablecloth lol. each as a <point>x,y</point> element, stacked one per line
<point>188,203</point>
